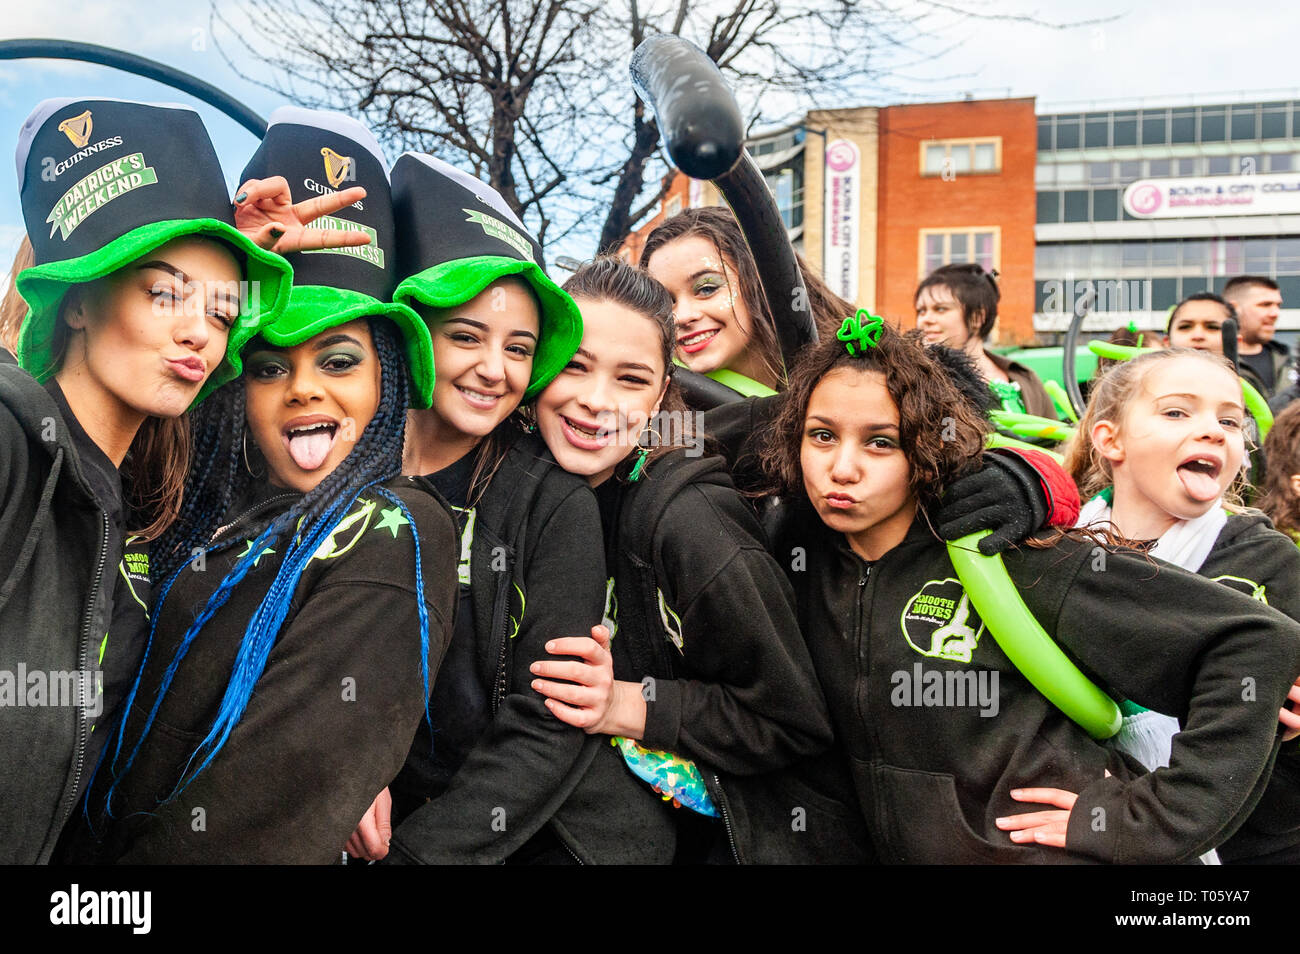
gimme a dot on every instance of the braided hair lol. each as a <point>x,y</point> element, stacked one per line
<point>376,458</point>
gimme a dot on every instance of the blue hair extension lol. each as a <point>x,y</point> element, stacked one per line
<point>421,610</point>
<point>259,637</point>
<point>215,602</point>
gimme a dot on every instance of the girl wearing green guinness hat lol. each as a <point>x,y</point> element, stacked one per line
<point>531,565</point>
<point>141,293</point>
<point>305,595</point>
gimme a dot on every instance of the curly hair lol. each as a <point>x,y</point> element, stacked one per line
<point>941,432</point>
<point>1110,398</point>
<point>1282,451</point>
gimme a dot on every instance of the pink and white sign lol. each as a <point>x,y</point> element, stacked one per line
<point>1272,194</point>
<point>840,242</point>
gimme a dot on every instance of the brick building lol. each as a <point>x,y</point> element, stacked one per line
<point>1054,202</point>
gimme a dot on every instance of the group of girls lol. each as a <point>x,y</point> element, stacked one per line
<point>445,577</point>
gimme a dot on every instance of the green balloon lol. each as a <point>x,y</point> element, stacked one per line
<point>1026,644</point>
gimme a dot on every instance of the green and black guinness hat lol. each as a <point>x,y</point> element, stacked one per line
<point>456,236</point>
<point>104,182</point>
<point>320,152</point>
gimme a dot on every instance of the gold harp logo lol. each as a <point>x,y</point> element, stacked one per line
<point>337,168</point>
<point>78,129</point>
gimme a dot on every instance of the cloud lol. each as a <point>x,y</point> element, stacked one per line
<point>149,30</point>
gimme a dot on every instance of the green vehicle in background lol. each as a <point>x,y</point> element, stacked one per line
<point>1048,363</point>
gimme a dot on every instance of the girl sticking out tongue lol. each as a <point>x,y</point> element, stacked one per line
<point>1160,450</point>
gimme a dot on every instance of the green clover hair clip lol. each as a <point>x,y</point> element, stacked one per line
<point>860,332</point>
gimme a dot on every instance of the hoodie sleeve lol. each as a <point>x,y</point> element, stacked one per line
<point>1174,642</point>
<point>748,701</point>
<point>1271,562</point>
<point>528,762</point>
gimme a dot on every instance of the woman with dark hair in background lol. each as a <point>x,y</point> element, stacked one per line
<point>957,306</point>
<point>722,319</point>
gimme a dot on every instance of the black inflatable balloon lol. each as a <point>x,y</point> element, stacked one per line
<point>702,392</point>
<point>697,114</point>
<point>1229,333</point>
<point>704,135</point>
<point>1081,308</point>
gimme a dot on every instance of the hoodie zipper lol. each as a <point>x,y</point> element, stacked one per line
<point>82,646</point>
<point>862,650</point>
<point>499,695</point>
<point>251,510</point>
<point>721,802</point>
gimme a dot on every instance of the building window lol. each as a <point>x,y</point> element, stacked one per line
<point>1213,125</point>
<point>1126,129</point>
<point>1182,127</point>
<point>1272,122</point>
<point>1044,133</point>
<point>1105,205</point>
<point>1096,132</point>
<point>1076,205</point>
<point>787,186</point>
<point>1067,131</point>
<point>1049,207</point>
<point>1154,132</point>
<point>1243,122</point>
<point>959,246</point>
<point>961,157</point>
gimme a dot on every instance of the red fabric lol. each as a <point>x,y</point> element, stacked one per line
<point>1062,496</point>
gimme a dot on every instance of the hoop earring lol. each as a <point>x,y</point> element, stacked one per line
<point>247,466</point>
<point>638,470</point>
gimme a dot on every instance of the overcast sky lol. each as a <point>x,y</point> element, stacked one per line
<point>1206,50</point>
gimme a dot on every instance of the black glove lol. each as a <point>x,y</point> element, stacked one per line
<point>1005,497</point>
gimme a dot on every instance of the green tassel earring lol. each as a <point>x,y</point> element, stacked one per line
<point>640,463</point>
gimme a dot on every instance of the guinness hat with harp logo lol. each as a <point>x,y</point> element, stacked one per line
<point>456,236</point>
<point>102,183</point>
<point>321,152</point>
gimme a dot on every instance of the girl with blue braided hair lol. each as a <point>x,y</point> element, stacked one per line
<point>304,596</point>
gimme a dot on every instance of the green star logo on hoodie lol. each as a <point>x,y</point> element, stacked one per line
<point>939,621</point>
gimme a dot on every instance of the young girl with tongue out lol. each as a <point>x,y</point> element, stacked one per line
<point>1160,451</point>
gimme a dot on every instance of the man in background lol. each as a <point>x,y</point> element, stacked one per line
<point>1264,361</point>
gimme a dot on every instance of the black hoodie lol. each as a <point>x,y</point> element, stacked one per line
<point>329,721</point>
<point>938,726</point>
<point>56,546</point>
<point>701,610</point>
<point>1254,559</point>
<point>536,573</point>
